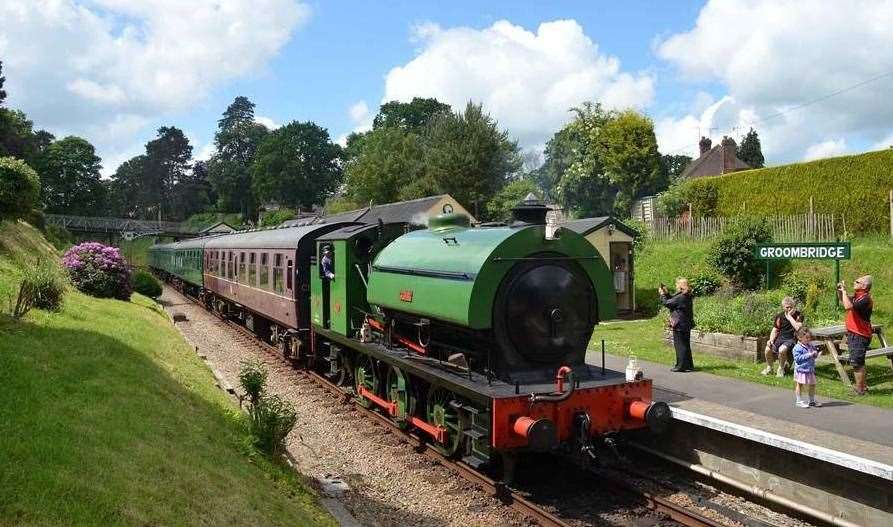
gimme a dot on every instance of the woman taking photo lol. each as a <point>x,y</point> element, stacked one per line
<point>682,320</point>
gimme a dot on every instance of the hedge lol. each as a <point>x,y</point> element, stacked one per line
<point>852,187</point>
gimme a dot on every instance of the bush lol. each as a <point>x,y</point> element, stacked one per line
<point>642,233</point>
<point>43,287</point>
<point>60,237</point>
<point>851,187</point>
<point>272,418</point>
<point>703,197</point>
<point>750,314</point>
<point>705,282</point>
<point>732,254</point>
<point>145,284</point>
<point>98,270</point>
<point>276,217</point>
<point>19,188</point>
<point>673,201</point>
<point>253,379</point>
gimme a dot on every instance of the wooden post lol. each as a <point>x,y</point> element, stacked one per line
<point>691,219</point>
<point>810,221</point>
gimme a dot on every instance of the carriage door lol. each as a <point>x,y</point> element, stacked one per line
<point>326,287</point>
<point>621,264</point>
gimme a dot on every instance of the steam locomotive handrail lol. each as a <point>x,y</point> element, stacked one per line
<point>542,258</point>
<point>450,275</point>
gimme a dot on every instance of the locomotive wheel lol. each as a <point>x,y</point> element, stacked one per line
<point>400,392</point>
<point>365,376</point>
<point>441,413</point>
<point>344,370</point>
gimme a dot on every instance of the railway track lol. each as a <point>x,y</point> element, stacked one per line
<point>506,495</point>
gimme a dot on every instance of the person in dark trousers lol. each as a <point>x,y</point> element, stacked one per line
<point>682,320</point>
<point>328,263</point>
<point>858,326</point>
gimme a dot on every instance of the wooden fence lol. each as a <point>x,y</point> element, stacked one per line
<point>794,228</point>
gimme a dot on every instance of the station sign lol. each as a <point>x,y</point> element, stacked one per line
<point>811,251</point>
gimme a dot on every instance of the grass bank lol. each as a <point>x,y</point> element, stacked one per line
<point>664,261</point>
<point>109,418</point>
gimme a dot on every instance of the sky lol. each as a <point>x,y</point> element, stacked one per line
<point>814,78</point>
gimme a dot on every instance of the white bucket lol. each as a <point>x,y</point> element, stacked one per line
<point>633,371</point>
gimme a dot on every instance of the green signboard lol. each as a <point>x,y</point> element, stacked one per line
<point>812,251</point>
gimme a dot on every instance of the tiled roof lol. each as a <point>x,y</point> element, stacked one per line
<point>710,164</point>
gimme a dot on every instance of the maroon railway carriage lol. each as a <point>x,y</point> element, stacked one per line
<point>261,278</point>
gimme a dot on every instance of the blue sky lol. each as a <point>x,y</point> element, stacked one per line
<point>344,52</point>
<point>113,71</point>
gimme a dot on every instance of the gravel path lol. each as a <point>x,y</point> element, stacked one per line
<point>390,484</point>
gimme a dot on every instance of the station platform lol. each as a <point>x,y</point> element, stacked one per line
<point>840,432</point>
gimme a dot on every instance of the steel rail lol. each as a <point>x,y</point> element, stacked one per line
<point>498,490</point>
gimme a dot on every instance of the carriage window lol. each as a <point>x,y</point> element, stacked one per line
<point>289,271</point>
<point>229,265</point>
<point>242,278</point>
<point>252,269</point>
<point>277,274</point>
<point>264,272</point>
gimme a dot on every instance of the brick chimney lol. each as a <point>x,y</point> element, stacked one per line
<point>729,150</point>
<point>704,145</point>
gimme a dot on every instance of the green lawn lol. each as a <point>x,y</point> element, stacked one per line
<point>109,418</point>
<point>664,261</point>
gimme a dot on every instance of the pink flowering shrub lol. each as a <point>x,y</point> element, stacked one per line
<point>98,270</point>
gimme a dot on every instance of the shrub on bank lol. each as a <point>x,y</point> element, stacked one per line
<point>98,270</point>
<point>19,188</point>
<point>272,419</point>
<point>748,314</point>
<point>145,284</point>
<point>732,254</point>
<point>42,287</point>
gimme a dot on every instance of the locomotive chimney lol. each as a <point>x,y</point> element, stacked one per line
<point>530,210</point>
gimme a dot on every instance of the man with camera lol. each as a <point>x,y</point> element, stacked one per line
<point>858,326</point>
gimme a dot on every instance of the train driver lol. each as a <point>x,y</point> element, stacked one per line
<point>328,263</point>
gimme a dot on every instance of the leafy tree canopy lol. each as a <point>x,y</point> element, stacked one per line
<point>468,157</point>
<point>229,170</point>
<point>499,208</point>
<point>297,166</point>
<point>410,116</point>
<point>388,163</point>
<point>750,151</point>
<point>69,173</point>
<point>627,147</point>
<point>2,80</point>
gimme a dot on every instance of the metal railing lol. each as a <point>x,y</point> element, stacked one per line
<point>116,225</point>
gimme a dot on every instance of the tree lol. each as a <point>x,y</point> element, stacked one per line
<point>19,188</point>
<point>672,167</point>
<point>166,166</point>
<point>2,80</point>
<point>410,116</point>
<point>627,147</point>
<point>390,160</point>
<point>466,156</point>
<point>582,186</point>
<point>749,150</point>
<point>499,208</point>
<point>128,194</point>
<point>69,174</point>
<point>229,170</point>
<point>297,165</point>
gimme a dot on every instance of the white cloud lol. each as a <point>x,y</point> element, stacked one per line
<point>266,121</point>
<point>883,144</point>
<point>98,68</point>
<point>526,80</point>
<point>358,112</point>
<point>775,55</point>
<point>829,148</point>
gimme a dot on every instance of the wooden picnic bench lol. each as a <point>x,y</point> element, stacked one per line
<point>829,336</point>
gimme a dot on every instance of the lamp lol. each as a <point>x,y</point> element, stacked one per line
<point>610,229</point>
